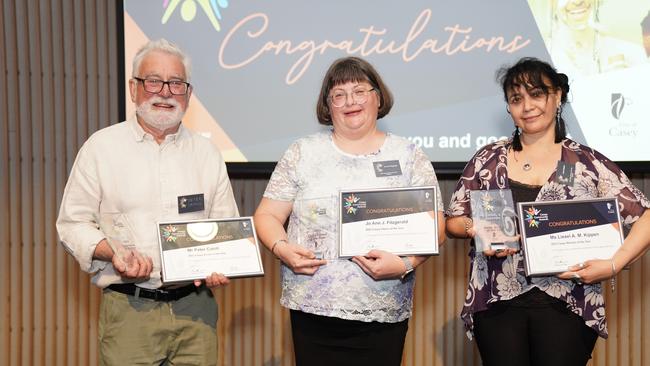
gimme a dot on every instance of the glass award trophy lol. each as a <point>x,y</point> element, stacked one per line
<point>119,235</point>
<point>315,219</point>
<point>495,219</point>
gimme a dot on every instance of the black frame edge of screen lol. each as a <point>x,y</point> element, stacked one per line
<point>121,91</point>
<point>444,170</point>
<point>264,169</point>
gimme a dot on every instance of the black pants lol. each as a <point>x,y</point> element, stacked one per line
<point>538,331</point>
<point>320,340</point>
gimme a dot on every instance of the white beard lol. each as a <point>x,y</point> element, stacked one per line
<point>160,119</point>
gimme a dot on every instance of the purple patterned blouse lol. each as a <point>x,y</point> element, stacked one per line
<point>494,279</point>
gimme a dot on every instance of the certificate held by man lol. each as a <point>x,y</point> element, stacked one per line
<point>402,221</point>
<point>195,249</point>
<point>559,234</point>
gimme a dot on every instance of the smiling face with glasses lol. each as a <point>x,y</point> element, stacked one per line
<point>160,92</point>
<point>153,85</point>
<point>359,95</point>
<point>353,108</point>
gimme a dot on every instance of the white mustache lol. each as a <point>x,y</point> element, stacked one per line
<point>173,102</point>
<point>160,118</point>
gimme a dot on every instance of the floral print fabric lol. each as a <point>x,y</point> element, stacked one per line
<point>495,279</point>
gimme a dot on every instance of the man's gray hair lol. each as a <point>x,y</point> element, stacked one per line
<point>161,45</point>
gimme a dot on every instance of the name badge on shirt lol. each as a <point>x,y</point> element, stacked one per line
<point>190,203</point>
<point>387,168</point>
<point>565,173</point>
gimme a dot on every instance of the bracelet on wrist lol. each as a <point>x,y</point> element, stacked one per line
<point>468,225</point>
<point>276,243</point>
<point>408,267</point>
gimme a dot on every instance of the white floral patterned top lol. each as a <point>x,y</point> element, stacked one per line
<point>310,175</point>
<point>495,279</point>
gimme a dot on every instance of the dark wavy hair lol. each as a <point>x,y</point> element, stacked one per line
<point>349,69</point>
<point>530,73</point>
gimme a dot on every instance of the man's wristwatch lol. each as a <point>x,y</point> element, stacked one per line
<point>408,265</point>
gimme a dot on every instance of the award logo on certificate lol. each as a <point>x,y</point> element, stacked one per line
<point>403,221</point>
<point>494,218</point>
<point>559,234</point>
<point>194,249</point>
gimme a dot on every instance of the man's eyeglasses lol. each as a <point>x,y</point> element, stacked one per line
<point>359,96</point>
<point>176,87</point>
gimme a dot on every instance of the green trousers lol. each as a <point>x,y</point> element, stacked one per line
<point>137,331</point>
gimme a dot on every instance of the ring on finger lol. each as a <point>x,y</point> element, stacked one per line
<point>577,279</point>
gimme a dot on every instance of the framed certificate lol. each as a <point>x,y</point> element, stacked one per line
<point>559,234</point>
<point>403,221</point>
<point>194,249</point>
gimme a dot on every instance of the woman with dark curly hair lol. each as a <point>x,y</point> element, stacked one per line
<point>547,320</point>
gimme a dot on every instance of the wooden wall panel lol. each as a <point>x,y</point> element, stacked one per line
<point>6,78</point>
<point>58,84</point>
<point>55,89</point>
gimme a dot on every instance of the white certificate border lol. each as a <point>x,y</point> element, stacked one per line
<point>523,228</point>
<point>165,278</point>
<point>435,250</point>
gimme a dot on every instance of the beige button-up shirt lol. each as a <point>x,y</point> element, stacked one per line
<point>122,172</point>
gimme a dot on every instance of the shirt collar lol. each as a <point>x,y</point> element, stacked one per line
<point>139,134</point>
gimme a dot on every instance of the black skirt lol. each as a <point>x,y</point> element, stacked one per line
<point>321,340</point>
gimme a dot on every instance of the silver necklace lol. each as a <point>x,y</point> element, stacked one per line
<point>527,166</point>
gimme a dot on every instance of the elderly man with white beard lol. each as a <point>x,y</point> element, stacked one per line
<point>125,179</point>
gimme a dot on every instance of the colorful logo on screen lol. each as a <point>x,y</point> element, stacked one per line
<point>535,216</point>
<point>169,233</point>
<point>188,8</point>
<point>350,204</point>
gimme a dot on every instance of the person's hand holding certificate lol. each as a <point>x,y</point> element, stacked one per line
<point>193,250</point>
<point>559,234</point>
<point>401,221</point>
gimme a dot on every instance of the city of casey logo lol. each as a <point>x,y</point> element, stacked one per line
<point>618,103</point>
